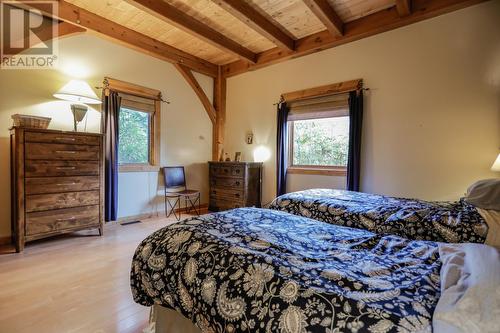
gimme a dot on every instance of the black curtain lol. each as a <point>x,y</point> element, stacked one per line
<point>282,148</point>
<point>355,127</point>
<point>111,110</point>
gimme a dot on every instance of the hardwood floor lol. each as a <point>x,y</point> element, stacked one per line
<point>74,283</point>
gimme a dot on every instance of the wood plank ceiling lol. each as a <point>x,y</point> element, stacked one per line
<point>242,35</point>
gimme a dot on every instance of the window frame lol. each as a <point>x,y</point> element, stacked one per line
<point>153,164</point>
<point>320,91</point>
<point>325,170</point>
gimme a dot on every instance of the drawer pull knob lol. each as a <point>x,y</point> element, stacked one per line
<point>237,183</point>
<point>237,170</point>
<point>66,184</point>
<point>66,139</point>
<point>65,151</point>
<point>67,219</point>
<point>237,195</point>
<point>65,168</point>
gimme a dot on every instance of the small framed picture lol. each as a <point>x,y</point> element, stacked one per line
<point>237,156</point>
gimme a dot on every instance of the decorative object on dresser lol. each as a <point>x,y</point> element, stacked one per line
<point>234,185</point>
<point>57,183</point>
<point>24,120</point>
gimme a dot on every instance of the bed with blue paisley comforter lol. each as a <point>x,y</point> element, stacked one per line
<point>450,222</point>
<point>261,270</point>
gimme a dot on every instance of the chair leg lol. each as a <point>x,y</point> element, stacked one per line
<point>172,208</point>
<point>180,210</point>
<point>178,203</point>
<point>193,205</point>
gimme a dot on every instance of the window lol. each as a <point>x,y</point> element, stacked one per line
<point>138,126</point>
<point>319,136</point>
<point>320,142</point>
<point>134,137</point>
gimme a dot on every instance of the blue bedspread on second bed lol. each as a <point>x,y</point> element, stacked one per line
<point>450,222</point>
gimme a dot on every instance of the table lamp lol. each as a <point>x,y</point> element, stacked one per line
<point>80,93</point>
<point>496,164</point>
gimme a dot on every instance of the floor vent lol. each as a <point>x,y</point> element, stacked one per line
<point>130,222</point>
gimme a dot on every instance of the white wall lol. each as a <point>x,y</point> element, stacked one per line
<point>432,115</point>
<point>185,126</point>
<point>299,182</point>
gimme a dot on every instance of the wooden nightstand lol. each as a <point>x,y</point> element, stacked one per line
<point>234,185</point>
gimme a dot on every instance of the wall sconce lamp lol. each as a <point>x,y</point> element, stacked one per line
<point>249,138</point>
<point>80,93</point>
<point>261,154</point>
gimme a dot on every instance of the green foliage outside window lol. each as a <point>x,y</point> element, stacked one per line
<point>133,133</point>
<point>321,142</point>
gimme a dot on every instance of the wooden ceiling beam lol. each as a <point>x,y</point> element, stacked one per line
<point>327,15</point>
<point>187,23</point>
<point>104,27</point>
<point>64,29</point>
<point>403,7</point>
<point>370,25</point>
<point>191,80</point>
<point>258,22</point>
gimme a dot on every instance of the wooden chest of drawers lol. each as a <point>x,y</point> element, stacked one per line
<point>234,185</point>
<point>57,183</point>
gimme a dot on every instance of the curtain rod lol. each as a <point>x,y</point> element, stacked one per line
<point>156,99</point>
<point>160,98</point>
<point>283,100</point>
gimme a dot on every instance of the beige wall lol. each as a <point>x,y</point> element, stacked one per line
<point>299,182</point>
<point>432,115</point>
<point>186,129</point>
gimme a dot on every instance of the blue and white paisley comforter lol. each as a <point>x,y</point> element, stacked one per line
<point>450,222</point>
<point>259,270</point>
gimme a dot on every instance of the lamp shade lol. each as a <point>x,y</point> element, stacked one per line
<point>496,164</point>
<point>78,92</point>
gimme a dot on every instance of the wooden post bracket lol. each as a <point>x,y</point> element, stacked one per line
<point>216,111</point>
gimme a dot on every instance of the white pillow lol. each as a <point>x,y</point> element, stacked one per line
<point>470,289</point>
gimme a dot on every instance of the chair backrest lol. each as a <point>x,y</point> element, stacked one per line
<point>175,179</point>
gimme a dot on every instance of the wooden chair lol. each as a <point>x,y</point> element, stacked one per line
<point>175,189</point>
